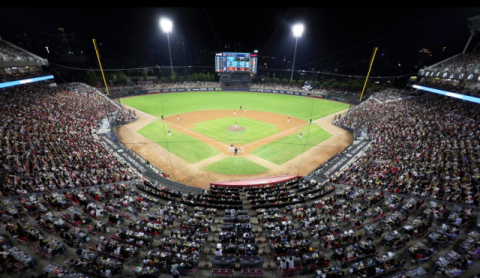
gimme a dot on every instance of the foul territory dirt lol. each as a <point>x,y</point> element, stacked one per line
<point>194,175</point>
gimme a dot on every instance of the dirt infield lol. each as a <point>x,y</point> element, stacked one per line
<point>188,121</point>
<point>236,128</point>
<point>194,175</point>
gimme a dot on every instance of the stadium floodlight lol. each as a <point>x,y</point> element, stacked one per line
<point>297,32</point>
<point>167,26</point>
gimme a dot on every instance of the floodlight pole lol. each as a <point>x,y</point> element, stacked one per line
<point>170,52</point>
<point>294,55</point>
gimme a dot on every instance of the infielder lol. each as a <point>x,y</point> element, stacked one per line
<point>178,117</point>
<point>288,120</point>
<point>245,109</point>
<point>235,125</point>
<point>234,112</point>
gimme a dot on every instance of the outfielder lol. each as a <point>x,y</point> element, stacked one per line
<point>300,135</point>
<point>169,133</point>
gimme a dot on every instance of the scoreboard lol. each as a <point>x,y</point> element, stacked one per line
<point>236,62</point>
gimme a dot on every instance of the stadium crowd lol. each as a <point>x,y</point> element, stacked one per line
<point>287,88</point>
<point>190,84</point>
<point>155,86</point>
<point>391,94</point>
<point>462,62</point>
<point>10,53</point>
<point>425,146</point>
<point>46,140</point>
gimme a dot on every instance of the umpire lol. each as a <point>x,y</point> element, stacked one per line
<point>236,150</point>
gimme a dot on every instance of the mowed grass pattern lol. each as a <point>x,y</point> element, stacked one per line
<point>217,129</point>
<point>178,103</point>
<point>236,166</point>
<point>286,148</point>
<point>182,145</point>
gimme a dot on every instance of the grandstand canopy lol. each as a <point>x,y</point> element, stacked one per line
<point>474,23</point>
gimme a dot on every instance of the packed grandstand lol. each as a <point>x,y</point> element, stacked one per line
<point>403,205</point>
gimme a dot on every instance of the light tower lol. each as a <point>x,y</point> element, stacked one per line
<point>297,32</point>
<point>167,26</point>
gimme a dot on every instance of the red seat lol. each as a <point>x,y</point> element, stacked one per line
<point>215,272</point>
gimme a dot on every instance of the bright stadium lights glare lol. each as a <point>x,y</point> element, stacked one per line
<point>297,30</point>
<point>166,25</point>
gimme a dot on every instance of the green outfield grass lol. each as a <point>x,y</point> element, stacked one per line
<point>182,145</point>
<point>236,166</point>
<point>217,129</point>
<point>178,103</point>
<point>286,148</point>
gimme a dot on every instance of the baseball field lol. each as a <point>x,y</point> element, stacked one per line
<point>272,133</point>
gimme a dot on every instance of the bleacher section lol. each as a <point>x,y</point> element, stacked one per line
<point>16,63</point>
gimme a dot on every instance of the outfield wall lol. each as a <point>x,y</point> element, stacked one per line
<point>229,89</point>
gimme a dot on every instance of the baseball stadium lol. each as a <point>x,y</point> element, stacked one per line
<point>121,160</point>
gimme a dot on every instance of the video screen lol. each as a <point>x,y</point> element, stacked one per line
<point>236,62</point>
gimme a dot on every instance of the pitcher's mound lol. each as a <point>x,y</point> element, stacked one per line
<point>238,128</point>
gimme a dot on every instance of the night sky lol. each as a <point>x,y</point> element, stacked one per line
<point>332,35</point>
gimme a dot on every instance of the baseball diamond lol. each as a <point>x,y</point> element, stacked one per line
<point>203,129</point>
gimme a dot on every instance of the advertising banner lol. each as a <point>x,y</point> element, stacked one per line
<point>242,89</point>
